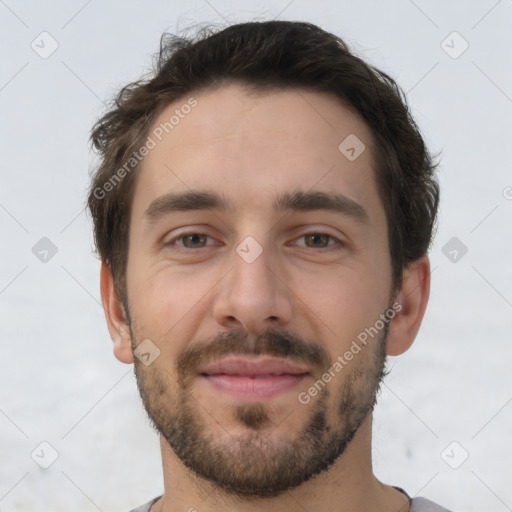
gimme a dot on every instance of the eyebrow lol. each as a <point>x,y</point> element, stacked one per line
<point>299,201</point>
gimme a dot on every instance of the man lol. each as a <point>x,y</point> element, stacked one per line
<point>263,208</point>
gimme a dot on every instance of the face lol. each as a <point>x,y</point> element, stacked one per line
<point>258,261</point>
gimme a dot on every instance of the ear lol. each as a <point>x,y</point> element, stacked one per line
<point>413,298</point>
<point>114,313</point>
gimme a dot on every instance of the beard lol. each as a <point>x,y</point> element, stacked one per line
<point>252,464</point>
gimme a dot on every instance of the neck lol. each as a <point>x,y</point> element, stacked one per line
<point>348,486</point>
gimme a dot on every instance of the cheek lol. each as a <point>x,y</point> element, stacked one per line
<point>346,299</point>
<point>164,303</point>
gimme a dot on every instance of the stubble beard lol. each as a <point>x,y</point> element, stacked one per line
<point>253,464</point>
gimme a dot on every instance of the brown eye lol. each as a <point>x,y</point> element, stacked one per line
<point>190,240</point>
<point>193,240</point>
<point>318,240</point>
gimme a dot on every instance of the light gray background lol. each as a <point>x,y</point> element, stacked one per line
<point>60,382</point>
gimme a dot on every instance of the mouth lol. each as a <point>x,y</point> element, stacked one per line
<point>253,379</point>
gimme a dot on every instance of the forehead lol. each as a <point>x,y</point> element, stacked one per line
<point>255,147</point>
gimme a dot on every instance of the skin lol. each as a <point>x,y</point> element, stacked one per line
<point>251,148</point>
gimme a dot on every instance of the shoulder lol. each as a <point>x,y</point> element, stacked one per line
<point>424,505</point>
<point>147,506</point>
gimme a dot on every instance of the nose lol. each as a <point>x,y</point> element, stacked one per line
<point>254,295</point>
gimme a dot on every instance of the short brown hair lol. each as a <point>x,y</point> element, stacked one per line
<point>264,56</point>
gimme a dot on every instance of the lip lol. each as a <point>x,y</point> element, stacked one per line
<point>253,379</point>
<point>254,366</point>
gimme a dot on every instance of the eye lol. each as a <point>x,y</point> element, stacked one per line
<point>190,240</point>
<point>319,240</point>
<point>195,240</point>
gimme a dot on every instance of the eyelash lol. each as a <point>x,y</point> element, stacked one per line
<point>171,244</point>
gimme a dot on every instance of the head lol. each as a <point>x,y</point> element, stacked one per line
<point>244,143</point>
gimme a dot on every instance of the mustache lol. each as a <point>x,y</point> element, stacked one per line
<point>272,343</point>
